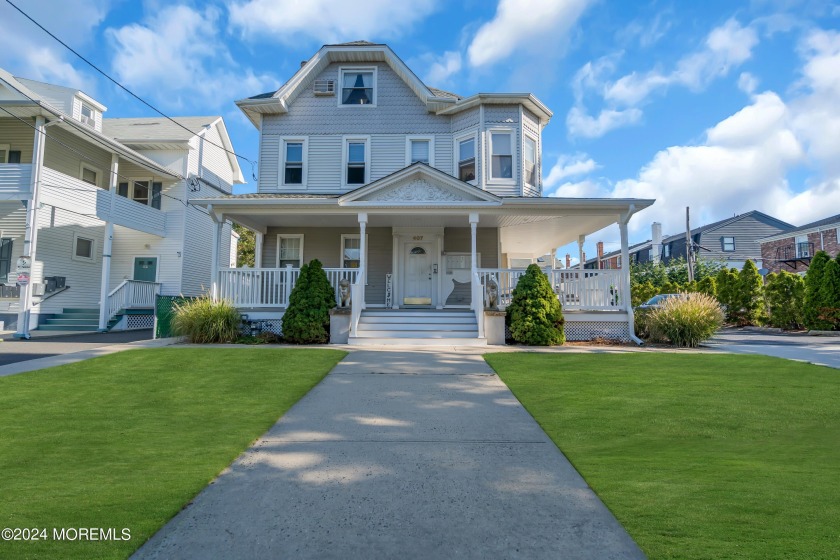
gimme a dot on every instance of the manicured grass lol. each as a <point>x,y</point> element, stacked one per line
<point>127,440</point>
<point>697,455</point>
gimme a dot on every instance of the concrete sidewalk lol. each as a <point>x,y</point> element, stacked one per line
<point>399,454</point>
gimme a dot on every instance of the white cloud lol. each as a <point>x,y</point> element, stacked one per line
<point>191,64</point>
<point>725,48</point>
<point>326,21</point>
<point>747,83</point>
<point>569,166</point>
<point>523,25</point>
<point>30,53</point>
<point>443,67</point>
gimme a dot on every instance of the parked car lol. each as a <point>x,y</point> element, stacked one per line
<point>656,302</point>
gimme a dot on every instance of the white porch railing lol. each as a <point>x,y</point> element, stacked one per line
<point>132,294</point>
<point>357,299</point>
<point>270,287</point>
<point>578,290</point>
<point>15,181</point>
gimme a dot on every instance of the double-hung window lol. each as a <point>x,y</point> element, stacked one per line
<point>358,86</point>
<point>530,161</point>
<point>466,159</point>
<point>294,164</point>
<point>356,161</point>
<point>667,250</point>
<point>728,244</point>
<point>90,174</point>
<point>803,248</point>
<point>351,250</point>
<point>419,149</point>
<point>289,250</point>
<point>5,256</point>
<point>143,191</point>
<point>88,115</point>
<point>501,161</point>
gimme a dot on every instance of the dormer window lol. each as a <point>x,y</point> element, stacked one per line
<point>358,86</point>
<point>88,115</point>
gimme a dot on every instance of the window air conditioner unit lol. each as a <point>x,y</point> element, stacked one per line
<point>324,87</point>
<point>88,121</point>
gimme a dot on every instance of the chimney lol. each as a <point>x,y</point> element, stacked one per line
<point>600,246</point>
<point>568,260</point>
<point>656,243</point>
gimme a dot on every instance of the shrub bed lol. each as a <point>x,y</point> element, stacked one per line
<point>685,321</point>
<point>203,321</point>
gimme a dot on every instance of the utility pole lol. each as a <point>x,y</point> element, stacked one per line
<point>689,246</point>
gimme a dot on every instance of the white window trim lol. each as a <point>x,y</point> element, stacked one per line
<point>131,183</point>
<point>83,166</point>
<point>429,139</point>
<point>5,148</point>
<point>282,172</point>
<point>92,240</point>
<point>536,182</point>
<point>489,167</point>
<point>82,105</point>
<point>277,250</point>
<point>345,149</point>
<point>456,155</point>
<point>354,69</point>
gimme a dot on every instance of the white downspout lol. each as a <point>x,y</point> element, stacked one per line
<point>104,315</point>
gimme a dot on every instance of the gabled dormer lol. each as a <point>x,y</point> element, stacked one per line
<point>72,102</point>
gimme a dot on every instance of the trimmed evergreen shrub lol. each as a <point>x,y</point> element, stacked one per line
<point>813,293</point>
<point>685,321</point>
<point>534,314</point>
<point>203,321</point>
<point>727,292</point>
<point>641,293</point>
<point>708,286</point>
<point>785,293</point>
<point>829,313</point>
<point>750,295</point>
<point>307,318</point>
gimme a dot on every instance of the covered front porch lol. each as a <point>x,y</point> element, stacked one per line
<point>421,241</point>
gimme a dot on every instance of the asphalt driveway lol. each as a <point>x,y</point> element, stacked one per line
<point>820,350</point>
<point>13,350</point>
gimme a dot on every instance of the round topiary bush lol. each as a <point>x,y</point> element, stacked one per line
<point>687,320</point>
<point>203,321</point>
<point>307,318</point>
<point>534,314</point>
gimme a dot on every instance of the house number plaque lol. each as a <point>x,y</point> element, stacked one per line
<point>418,238</point>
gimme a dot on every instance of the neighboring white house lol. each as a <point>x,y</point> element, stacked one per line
<point>102,208</point>
<point>417,196</point>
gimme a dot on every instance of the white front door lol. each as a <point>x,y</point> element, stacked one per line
<point>417,287</point>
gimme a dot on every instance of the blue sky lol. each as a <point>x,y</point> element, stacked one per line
<point>719,105</point>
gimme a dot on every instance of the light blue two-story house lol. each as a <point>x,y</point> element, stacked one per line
<point>417,196</point>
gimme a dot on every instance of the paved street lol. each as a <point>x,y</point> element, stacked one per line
<point>823,350</point>
<point>14,350</point>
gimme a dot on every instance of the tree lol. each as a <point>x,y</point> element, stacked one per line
<point>829,313</point>
<point>307,318</point>
<point>245,249</point>
<point>535,315</point>
<point>750,294</point>
<point>813,295</point>
<point>727,292</point>
<point>785,293</point>
<point>708,286</point>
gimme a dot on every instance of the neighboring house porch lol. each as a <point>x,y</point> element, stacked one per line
<point>418,248</point>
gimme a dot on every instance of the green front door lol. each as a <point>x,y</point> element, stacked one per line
<point>145,269</point>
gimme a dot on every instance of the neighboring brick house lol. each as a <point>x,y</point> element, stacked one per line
<point>792,250</point>
<point>732,240</point>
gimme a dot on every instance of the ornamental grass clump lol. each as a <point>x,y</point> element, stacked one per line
<point>534,312</point>
<point>685,321</point>
<point>203,321</point>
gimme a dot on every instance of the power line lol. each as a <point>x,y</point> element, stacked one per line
<point>118,84</point>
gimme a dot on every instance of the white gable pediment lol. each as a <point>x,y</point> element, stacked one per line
<point>418,184</point>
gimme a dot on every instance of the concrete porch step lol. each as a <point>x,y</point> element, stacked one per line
<point>411,333</point>
<point>68,327</point>
<point>431,327</point>
<point>437,319</point>
<point>415,341</point>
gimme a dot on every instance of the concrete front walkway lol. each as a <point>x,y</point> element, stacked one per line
<point>399,454</point>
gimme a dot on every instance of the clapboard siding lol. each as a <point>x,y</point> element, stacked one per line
<point>269,165</point>
<point>215,165</point>
<point>54,257</point>
<point>459,240</point>
<point>387,155</point>
<point>746,231</point>
<point>324,173</point>
<point>324,244</point>
<point>443,153</point>
<point>67,161</point>
<point>18,136</point>
<point>13,226</point>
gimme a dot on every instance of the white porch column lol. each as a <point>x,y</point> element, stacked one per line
<point>581,240</point>
<point>258,249</point>
<point>363,220</point>
<point>218,222</point>
<point>473,258</point>
<point>30,238</point>
<point>104,290</point>
<point>625,271</point>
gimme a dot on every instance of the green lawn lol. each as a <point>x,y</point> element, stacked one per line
<point>126,440</point>
<point>698,456</point>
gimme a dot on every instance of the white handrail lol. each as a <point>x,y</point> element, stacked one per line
<point>478,302</point>
<point>132,294</point>
<point>271,287</point>
<point>357,302</point>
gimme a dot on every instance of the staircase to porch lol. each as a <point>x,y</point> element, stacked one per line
<point>417,327</point>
